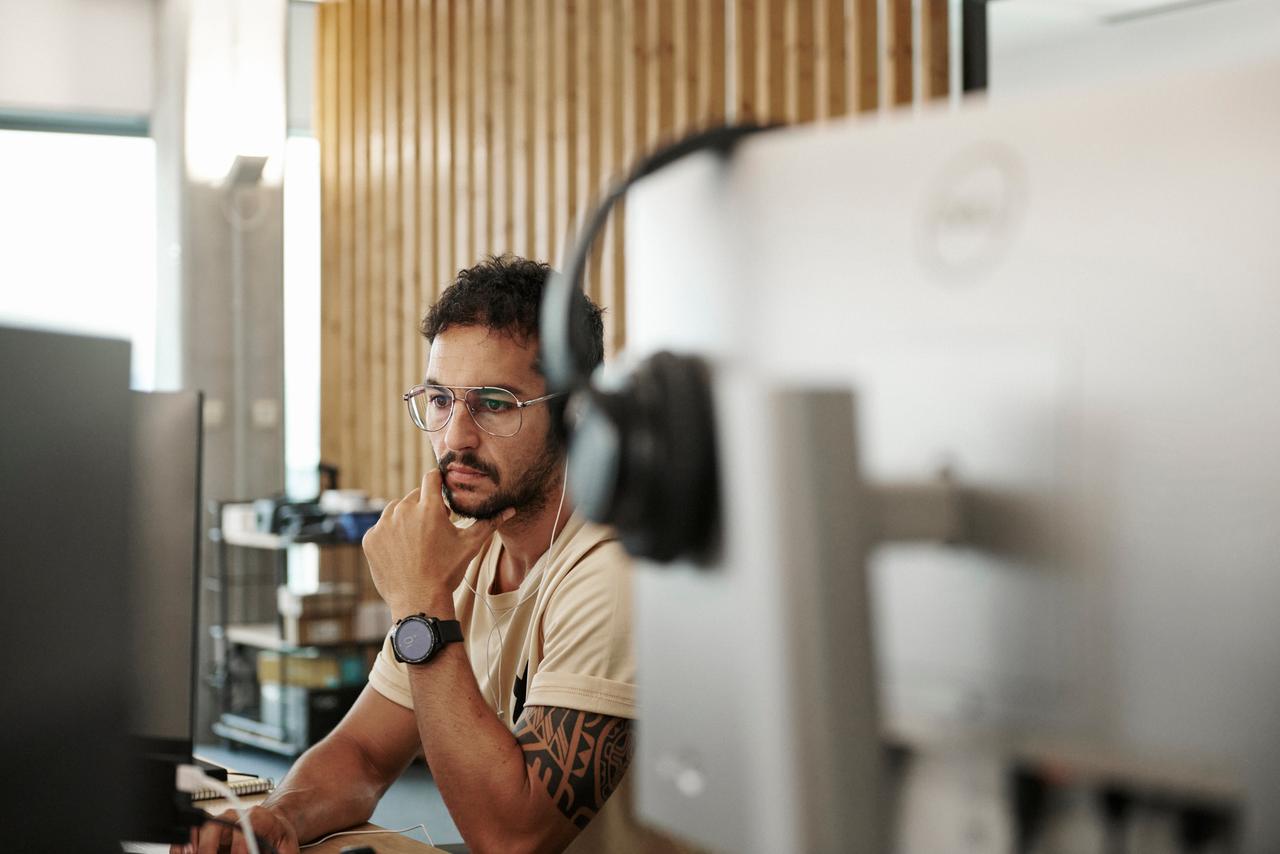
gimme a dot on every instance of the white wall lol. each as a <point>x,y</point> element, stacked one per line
<point>92,56</point>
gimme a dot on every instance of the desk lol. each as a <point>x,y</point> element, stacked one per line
<point>383,843</point>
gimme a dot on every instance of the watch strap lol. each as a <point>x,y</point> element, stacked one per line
<point>449,631</point>
<point>444,631</point>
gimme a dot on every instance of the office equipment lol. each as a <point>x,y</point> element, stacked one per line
<point>165,547</point>
<point>1066,308</point>
<point>65,463</point>
<point>339,618</point>
<point>240,784</point>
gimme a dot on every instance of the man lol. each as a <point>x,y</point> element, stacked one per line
<point>526,723</point>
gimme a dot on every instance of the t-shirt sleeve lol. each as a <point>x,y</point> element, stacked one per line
<point>588,662</point>
<point>389,677</point>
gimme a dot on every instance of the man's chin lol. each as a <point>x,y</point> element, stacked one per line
<point>473,507</point>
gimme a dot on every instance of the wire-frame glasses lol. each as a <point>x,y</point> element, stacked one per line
<point>496,411</point>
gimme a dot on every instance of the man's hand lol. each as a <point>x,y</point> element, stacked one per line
<point>218,838</point>
<point>417,556</point>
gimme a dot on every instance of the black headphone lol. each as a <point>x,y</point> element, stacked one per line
<point>642,451</point>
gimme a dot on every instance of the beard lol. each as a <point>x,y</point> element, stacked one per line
<point>527,493</point>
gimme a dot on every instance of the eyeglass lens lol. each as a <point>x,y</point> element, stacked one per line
<point>495,410</point>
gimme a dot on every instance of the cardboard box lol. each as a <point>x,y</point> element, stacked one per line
<point>312,671</point>
<point>346,564</point>
<point>328,600</point>
<point>313,631</point>
<point>238,519</point>
<point>372,620</point>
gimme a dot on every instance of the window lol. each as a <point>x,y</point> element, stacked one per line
<point>78,231</point>
<point>302,315</point>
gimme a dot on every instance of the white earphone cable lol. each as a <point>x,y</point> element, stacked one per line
<point>537,572</point>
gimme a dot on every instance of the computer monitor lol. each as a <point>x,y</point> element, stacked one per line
<point>65,468</point>
<point>101,507</point>
<point>165,546</point>
<point>1071,304</point>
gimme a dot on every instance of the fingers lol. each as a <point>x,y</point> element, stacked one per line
<point>238,844</point>
<point>213,835</point>
<point>431,491</point>
<point>432,482</point>
<point>186,847</point>
<point>389,509</point>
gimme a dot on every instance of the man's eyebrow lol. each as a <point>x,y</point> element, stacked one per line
<point>512,387</point>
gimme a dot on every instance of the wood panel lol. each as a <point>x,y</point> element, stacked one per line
<point>864,55</point>
<point>358,467</point>
<point>935,50</point>
<point>829,59</point>
<point>410,246</point>
<point>745,97</point>
<point>898,52</point>
<point>452,130</point>
<point>613,158</point>
<point>374,293</point>
<point>328,122</point>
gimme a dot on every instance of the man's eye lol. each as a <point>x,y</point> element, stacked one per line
<point>439,401</point>
<point>491,404</point>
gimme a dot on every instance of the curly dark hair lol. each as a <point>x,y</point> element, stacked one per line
<point>504,293</point>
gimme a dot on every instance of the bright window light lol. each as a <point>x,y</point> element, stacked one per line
<point>302,315</point>
<point>78,238</point>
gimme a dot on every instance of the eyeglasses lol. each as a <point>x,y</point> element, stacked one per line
<point>496,411</point>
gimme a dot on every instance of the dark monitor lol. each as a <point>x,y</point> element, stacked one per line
<point>165,548</point>
<point>65,470</point>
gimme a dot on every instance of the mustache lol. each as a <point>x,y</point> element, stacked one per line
<point>471,461</point>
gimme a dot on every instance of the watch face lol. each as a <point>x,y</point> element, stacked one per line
<point>414,640</point>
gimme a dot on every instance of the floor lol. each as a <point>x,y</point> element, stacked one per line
<point>411,800</point>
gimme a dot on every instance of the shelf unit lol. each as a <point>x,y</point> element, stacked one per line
<point>266,725</point>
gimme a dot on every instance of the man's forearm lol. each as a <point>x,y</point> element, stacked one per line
<point>331,787</point>
<point>477,762</point>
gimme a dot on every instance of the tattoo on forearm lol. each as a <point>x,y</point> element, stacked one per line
<point>578,757</point>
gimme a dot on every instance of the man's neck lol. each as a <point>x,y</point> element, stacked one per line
<point>525,540</point>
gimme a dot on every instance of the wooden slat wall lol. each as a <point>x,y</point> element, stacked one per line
<point>451,130</point>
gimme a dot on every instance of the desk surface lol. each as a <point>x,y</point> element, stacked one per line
<point>385,842</point>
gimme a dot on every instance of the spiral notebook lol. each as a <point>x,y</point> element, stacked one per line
<point>240,784</point>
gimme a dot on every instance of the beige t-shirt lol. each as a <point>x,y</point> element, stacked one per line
<point>570,621</point>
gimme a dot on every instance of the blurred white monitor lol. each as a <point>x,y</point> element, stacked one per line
<point>1073,304</point>
<point>1039,46</point>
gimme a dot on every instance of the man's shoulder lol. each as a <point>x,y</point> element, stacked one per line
<point>593,546</point>
<point>592,558</point>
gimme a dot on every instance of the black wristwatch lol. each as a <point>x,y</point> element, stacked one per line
<point>417,638</point>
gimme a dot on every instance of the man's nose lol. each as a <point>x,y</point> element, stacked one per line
<point>461,433</point>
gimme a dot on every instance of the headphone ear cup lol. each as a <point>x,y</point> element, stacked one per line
<point>680,481</point>
<point>643,458</point>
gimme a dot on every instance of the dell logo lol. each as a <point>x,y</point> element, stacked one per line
<point>972,210</point>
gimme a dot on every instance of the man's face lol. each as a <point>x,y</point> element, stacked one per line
<point>483,474</point>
